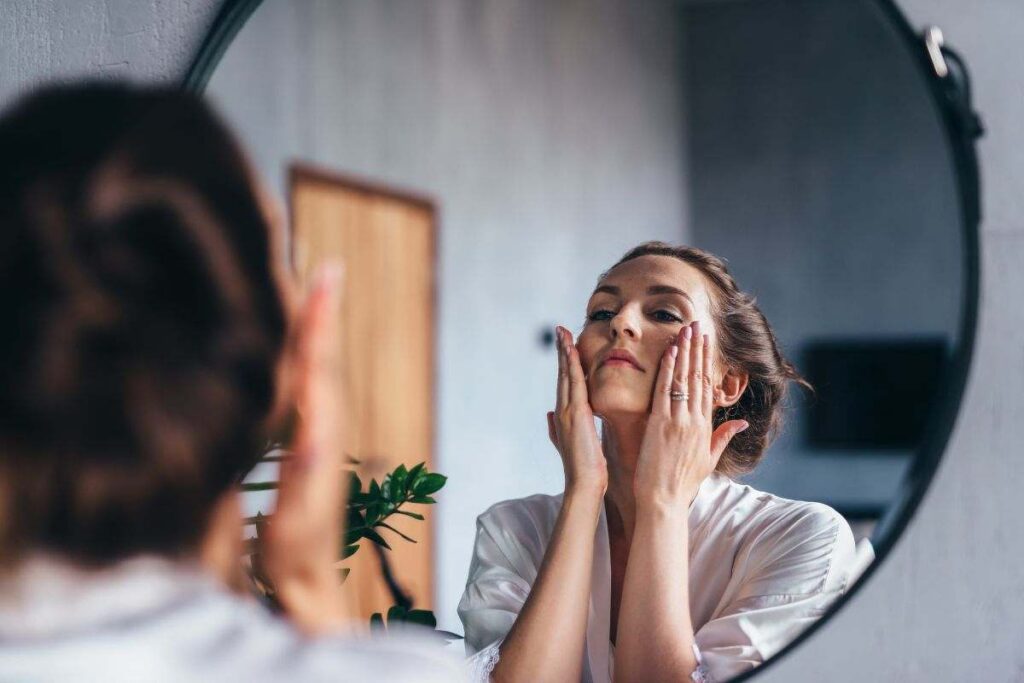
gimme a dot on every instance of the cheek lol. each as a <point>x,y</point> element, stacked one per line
<point>586,361</point>
<point>656,349</point>
<point>587,350</point>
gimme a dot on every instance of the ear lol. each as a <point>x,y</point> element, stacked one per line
<point>731,388</point>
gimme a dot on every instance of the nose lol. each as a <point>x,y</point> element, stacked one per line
<point>626,323</point>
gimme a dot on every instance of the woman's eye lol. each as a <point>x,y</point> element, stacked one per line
<point>602,314</point>
<point>664,316</point>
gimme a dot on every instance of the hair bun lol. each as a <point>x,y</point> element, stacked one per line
<point>151,287</point>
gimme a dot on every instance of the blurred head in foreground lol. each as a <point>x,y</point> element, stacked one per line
<point>142,323</point>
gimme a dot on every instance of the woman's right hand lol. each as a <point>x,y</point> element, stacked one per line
<point>571,425</point>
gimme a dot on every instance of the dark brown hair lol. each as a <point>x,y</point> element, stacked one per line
<point>746,342</point>
<point>142,322</point>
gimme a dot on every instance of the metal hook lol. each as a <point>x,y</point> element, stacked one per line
<point>933,43</point>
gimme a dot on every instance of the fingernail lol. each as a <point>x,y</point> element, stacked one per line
<point>687,332</point>
<point>696,327</point>
<point>707,340</point>
<point>744,427</point>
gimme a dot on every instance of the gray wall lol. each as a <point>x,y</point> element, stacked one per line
<point>550,136</point>
<point>44,41</point>
<point>945,605</point>
<point>821,173</point>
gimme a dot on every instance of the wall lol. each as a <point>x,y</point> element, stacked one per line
<point>822,174</point>
<point>43,41</point>
<point>945,606</point>
<point>550,137</point>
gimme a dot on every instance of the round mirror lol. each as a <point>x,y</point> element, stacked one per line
<point>479,166</point>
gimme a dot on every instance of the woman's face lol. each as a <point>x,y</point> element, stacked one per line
<point>634,314</point>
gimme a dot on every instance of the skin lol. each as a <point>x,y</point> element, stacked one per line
<point>302,545</point>
<point>646,472</point>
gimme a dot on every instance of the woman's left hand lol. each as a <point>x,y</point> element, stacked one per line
<point>302,543</point>
<point>679,449</point>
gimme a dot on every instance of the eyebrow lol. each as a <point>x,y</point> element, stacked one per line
<point>652,290</point>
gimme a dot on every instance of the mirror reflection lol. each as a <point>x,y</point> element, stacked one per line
<point>482,171</point>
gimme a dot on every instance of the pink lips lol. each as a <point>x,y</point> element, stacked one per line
<point>623,357</point>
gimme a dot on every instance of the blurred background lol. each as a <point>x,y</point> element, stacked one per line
<point>478,165</point>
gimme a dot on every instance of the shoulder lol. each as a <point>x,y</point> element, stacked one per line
<point>258,646</point>
<point>201,632</point>
<point>537,512</point>
<point>518,531</point>
<point>807,544</point>
<point>767,512</point>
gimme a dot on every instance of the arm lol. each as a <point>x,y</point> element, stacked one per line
<point>546,641</point>
<point>655,633</point>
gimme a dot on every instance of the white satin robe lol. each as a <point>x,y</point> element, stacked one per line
<point>762,568</point>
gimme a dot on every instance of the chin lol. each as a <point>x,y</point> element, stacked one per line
<point>608,402</point>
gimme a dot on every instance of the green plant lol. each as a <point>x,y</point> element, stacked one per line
<point>366,518</point>
<point>368,510</point>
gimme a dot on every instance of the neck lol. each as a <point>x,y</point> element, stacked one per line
<point>621,439</point>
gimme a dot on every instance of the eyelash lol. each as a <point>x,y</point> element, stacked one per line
<point>672,317</point>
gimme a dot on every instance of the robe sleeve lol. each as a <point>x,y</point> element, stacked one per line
<point>501,572</point>
<point>793,570</point>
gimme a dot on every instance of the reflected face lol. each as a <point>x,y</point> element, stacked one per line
<point>636,311</point>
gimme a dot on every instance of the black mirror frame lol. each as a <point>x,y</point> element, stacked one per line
<point>949,85</point>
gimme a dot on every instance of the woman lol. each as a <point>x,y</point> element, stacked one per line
<point>144,362</point>
<point>654,565</point>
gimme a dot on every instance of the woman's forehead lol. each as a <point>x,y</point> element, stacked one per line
<point>635,276</point>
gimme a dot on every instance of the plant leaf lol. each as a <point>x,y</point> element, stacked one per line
<point>260,486</point>
<point>395,490</point>
<point>414,515</point>
<point>355,517</point>
<point>400,475</point>
<point>355,486</point>
<point>430,483</point>
<point>349,550</point>
<point>351,536</point>
<point>424,617</point>
<point>374,513</point>
<point>376,622</point>
<point>396,613</point>
<point>375,537</point>
<point>415,473</point>
<point>425,500</point>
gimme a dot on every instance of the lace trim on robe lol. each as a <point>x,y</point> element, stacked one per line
<point>483,662</point>
<point>701,673</point>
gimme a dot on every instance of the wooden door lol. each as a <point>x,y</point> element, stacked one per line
<point>385,239</point>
